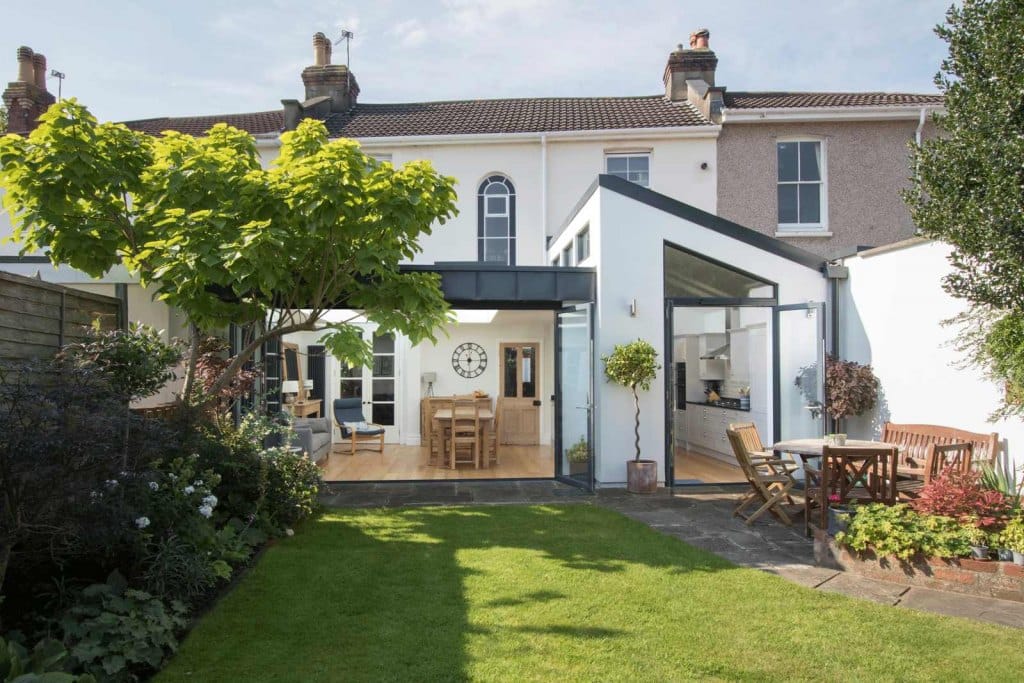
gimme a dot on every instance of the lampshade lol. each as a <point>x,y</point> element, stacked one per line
<point>307,384</point>
<point>429,377</point>
<point>290,386</point>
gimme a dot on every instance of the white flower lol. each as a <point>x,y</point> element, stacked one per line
<point>95,495</point>
<point>153,486</point>
<point>111,483</point>
<point>210,500</point>
<point>205,510</point>
<point>289,532</point>
<point>198,482</point>
<point>189,490</point>
<point>172,476</point>
<point>142,522</point>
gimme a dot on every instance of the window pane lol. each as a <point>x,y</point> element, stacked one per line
<point>810,168</point>
<point>618,165</point>
<point>496,251</point>
<point>383,343</point>
<point>496,227</point>
<point>810,203</point>
<point>567,256</point>
<point>496,188</point>
<point>351,388</point>
<point>497,206</point>
<point>384,414</point>
<point>582,245</point>
<point>639,177</point>
<point>350,371</point>
<point>787,153</point>
<point>383,390</point>
<point>787,204</point>
<point>529,372</point>
<point>510,365</point>
<point>383,366</point>
<point>639,163</point>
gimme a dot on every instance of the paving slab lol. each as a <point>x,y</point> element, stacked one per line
<point>1005,612</point>
<point>865,588</point>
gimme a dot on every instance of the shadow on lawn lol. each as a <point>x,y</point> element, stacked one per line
<point>382,594</point>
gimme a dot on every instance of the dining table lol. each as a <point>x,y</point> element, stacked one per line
<point>808,449</point>
<point>445,415</point>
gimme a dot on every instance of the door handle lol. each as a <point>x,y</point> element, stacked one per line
<point>536,403</point>
<point>586,407</point>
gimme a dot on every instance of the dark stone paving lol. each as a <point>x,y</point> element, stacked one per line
<point>700,517</point>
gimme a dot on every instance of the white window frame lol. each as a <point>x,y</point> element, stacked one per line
<point>629,155</point>
<point>509,214</point>
<point>814,229</point>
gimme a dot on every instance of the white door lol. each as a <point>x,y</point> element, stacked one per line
<point>376,385</point>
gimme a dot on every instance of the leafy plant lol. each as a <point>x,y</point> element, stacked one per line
<point>1004,480</point>
<point>851,388</point>
<point>119,633</point>
<point>214,234</point>
<point>579,451</point>
<point>634,366</point>
<point>212,361</point>
<point>899,531</point>
<point>1012,535</point>
<point>293,487</point>
<point>43,664</point>
<point>961,496</point>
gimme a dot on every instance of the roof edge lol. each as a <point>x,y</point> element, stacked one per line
<point>707,220</point>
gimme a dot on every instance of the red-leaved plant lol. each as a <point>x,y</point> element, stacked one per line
<point>960,495</point>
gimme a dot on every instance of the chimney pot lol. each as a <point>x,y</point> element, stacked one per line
<point>321,50</point>
<point>699,39</point>
<point>39,67</point>
<point>26,72</point>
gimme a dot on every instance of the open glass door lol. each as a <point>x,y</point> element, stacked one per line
<point>374,384</point>
<point>799,332</point>
<point>574,452</point>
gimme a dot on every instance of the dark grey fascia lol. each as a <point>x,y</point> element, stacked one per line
<point>481,285</point>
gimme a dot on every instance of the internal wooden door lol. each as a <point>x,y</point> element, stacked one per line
<point>519,400</point>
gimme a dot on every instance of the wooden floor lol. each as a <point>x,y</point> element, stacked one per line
<point>410,463</point>
<point>694,467</point>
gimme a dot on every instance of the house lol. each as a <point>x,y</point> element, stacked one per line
<point>587,222</point>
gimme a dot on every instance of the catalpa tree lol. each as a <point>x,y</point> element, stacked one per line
<point>213,233</point>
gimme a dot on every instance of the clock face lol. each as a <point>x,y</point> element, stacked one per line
<point>469,360</point>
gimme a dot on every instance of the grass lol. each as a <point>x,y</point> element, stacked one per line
<point>560,593</point>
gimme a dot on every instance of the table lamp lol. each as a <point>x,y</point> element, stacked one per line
<point>289,388</point>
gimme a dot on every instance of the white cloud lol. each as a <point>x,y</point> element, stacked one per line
<point>409,33</point>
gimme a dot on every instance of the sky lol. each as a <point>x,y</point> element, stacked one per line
<point>141,59</point>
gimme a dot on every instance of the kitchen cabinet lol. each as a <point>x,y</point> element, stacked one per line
<point>739,356</point>
<point>711,368</point>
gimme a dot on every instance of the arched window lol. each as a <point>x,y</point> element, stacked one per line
<point>496,221</point>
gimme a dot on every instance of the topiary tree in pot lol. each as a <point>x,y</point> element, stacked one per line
<point>851,388</point>
<point>635,366</point>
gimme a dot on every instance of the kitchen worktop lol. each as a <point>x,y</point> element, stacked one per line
<point>728,406</point>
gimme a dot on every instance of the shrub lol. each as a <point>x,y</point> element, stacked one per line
<point>960,495</point>
<point>43,664</point>
<point>897,530</point>
<point>1012,535</point>
<point>119,634</point>
<point>293,487</point>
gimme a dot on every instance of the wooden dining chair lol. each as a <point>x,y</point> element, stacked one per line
<point>465,433</point>
<point>440,433</point>
<point>848,474</point>
<point>939,458</point>
<point>490,442</point>
<point>770,482</point>
<point>751,440</point>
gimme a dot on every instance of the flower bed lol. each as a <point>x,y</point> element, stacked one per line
<point>986,578</point>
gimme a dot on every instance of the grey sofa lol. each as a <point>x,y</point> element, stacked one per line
<point>313,436</point>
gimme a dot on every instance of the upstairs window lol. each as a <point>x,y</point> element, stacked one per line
<point>636,168</point>
<point>496,223</point>
<point>801,185</point>
<point>582,244</point>
<point>566,256</point>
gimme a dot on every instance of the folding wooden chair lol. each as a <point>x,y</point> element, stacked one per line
<point>770,482</point>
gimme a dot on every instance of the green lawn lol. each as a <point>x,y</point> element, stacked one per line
<point>553,593</point>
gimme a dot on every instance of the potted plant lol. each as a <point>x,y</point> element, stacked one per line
<point>978,539</point>
<point>578,456</point>
<point>839,514</point>
<point>850,389</point>
<point>745,398</point>
<point>635,366</point>
<point>1012,537</point>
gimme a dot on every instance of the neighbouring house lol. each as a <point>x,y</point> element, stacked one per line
<point>696,218</point>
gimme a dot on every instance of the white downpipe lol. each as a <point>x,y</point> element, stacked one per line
<point>920,126</point>
<point>543,199</point>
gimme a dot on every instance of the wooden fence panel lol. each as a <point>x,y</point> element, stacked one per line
<point>37,317</point>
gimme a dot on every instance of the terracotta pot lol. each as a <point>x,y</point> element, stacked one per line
<point>642,476</point>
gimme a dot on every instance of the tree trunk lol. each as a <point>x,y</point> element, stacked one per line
<point>636,428</point>
<point>190,372</point>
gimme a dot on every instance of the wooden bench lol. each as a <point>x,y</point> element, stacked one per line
<point>915,441</point>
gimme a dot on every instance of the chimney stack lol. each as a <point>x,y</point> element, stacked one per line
<point>330,88</point>
<point>690,76</point>
<point>27,98</point>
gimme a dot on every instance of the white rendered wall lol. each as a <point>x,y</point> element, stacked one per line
<point>627,240</point>
<point>909,348</point>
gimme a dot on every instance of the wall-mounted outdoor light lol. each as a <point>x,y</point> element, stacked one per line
<point>632,308</point>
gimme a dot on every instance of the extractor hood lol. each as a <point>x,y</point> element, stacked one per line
<point>720,353</point>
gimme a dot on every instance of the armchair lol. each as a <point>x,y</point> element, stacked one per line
<point>348,415</point>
